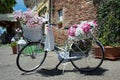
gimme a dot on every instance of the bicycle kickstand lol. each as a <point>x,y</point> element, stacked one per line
<point>59,63</point>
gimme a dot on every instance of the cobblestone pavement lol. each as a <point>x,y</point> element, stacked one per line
<point>110,70</point>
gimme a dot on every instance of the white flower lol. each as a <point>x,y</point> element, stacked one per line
<point>79,31</point>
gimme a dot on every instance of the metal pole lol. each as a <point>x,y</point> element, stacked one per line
<point>50,4</point>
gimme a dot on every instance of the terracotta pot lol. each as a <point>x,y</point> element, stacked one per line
<point>111,53</point>
<point>14,49</point>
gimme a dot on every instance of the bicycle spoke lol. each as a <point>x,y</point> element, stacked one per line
<point>87,62</point>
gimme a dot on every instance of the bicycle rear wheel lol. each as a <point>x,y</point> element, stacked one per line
<point>87,61</point>
<point>31,57</point>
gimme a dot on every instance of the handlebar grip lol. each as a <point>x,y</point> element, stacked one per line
<point>66,27</point>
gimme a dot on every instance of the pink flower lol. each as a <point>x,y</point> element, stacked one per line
<point>93,24</point>
<point>82,29</point>
<point>29,18</point>
<point>86,27</point>
<point>71,31</point>
<point>18,15</point>
<point>75,25</point>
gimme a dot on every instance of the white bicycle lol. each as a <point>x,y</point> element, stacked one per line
<point>81,53</point>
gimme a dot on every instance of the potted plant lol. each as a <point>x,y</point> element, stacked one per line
<point>109,27</point>
<point>14,47</point>
<point>60,24</point>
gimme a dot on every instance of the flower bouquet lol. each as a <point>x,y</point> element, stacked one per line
<point>81,36</point>
<point>31,24</point>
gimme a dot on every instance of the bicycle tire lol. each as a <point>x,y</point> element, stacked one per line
<point>90,62</point>
<point>31,57</point>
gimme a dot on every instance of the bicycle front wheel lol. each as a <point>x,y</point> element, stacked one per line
<point>87,61</point>
<point>31,57</point>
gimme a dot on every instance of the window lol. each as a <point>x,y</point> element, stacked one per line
<point>60,15</point>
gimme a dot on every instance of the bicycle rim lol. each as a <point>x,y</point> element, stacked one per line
<point>89,62</point>
<point>31,57</point>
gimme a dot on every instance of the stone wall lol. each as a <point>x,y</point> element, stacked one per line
<point>60,36</point>
<point>74,11</point>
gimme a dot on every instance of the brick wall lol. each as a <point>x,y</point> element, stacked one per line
<point>60,36</point>
<point>74,11</point>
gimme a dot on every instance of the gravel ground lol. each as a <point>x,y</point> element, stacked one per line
<point>109,70</point>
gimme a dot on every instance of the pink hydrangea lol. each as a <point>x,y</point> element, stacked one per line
<point>72,30</point>
<point>86,27</point>
<point>18,15</point>
<point>29,18</point>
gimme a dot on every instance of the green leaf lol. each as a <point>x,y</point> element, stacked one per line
<point>109,22</point>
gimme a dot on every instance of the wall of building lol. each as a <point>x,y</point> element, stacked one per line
<point>32,3</point>
<point>74,11</point>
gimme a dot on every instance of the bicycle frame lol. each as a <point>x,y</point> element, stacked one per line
<point>67,53</point>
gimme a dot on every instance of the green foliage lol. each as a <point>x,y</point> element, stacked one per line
<point>12,44</point>
<point>109,22</point>
<point>6,6</point>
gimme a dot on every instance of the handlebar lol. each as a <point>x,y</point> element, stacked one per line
<point>54,24</point>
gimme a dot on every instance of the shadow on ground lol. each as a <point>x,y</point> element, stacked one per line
<point>98,72</point>
<point>55,72</point>
<point>50,72</point>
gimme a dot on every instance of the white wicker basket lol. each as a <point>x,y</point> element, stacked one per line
<point>32,34</point>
